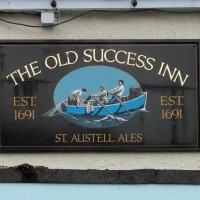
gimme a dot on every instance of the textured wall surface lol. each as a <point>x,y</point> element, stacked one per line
<point>143,25</point>
<point>85,192</point>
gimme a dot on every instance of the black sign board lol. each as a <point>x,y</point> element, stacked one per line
<point>99,96</point>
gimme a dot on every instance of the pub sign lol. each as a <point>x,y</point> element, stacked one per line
<point>99,96</point>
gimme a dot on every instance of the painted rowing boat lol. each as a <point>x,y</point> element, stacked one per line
<point>116,109</point>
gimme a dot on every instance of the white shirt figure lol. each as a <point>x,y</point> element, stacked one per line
<point>102,94</point>
<point>74,97</point>
<point>118,91</point>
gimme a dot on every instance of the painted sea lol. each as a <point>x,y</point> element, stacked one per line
<point>98,122</point>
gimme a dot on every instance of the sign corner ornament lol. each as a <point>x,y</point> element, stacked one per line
<point>99,96</point>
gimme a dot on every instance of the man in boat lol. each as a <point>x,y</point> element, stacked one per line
<point>102,95</point>
<point>74,97</point>
<point>117,91</point>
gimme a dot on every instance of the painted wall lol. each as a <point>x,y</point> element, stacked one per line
<point>142,25</point>
<point>98,192</point>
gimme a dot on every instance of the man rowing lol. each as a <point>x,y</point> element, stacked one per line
<point>102,95</point>
<point>117,91</point>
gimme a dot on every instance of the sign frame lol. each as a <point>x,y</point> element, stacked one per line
<point>161,148</point>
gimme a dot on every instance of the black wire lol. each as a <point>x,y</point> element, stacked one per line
<point>37,12</point>
<point>25,13</point>
<point>20,24</point>
<point>84,13</point>
<point>146,10</point>
<point>46,26</point>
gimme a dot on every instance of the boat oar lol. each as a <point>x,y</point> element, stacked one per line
<point>106,109</point>
<point>121,103</point>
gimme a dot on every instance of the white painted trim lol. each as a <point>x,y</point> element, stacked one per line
<point>27,5</point>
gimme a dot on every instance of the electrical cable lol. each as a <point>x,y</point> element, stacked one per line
<point>87,12</point>
<point>46,26</point>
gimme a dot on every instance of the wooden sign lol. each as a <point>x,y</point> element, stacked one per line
<point>99,96</point>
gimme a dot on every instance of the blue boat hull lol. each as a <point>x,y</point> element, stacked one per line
<point>116,109</point>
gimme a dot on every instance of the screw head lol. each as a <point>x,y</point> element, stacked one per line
<point>134,3</point>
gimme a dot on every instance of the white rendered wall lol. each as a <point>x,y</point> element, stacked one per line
<point>143,25</point>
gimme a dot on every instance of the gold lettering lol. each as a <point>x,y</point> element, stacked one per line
<point>163,100</point>
<point>24,101</point>
<point>139,137</point>
<point>70,62</point>
<point>86,53</point>
<point>80,138</point>
<point>74,138</point>
<point>180,78</point>
<point>116,57</point>
<point>19,74</point>
<point>12,77</point>
<point>105,55</point>
<point>180,100</point>
<point>133,137</point>
<point>100,138</point>
<point>101,56</point>
<point>121,138</point>
<point>58,138</point>
<point>59,61</point>
<point>141,61</point>
<point>87,138</point>
<point>149,63</point>
<point>16,101</point>
<point>171,100</point>
<point>61,138</point>
<point>110,138</point>
<point>33,68</point>
<point>161,68</point>
<point>173,74</point>
<point>131,58</point>
<point>54,60</point>
<point>26,72</point>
